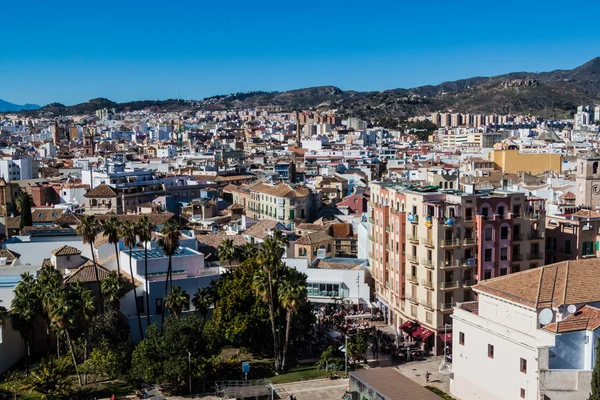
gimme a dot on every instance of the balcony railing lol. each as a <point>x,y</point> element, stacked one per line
<point>427,304</point>
<point>449,264</point>
<point>517,237</point>
<point>412,259</point>
<point>413,238</point>
<point>470,241</point>
<point>427,242</point>
<point>387,246</point>
<point>414,219</point>
<point>447,306</point>
<point>533,216</point>
<point>536,235</point>
<point>517,257</point>
<point>469,262</point>
<point>412,299</point>
<point>469,218</point>
<point>427,263</point>
<point>450,243</point>
<point>388,228</point>
<point>413,279</point>
<point>535,256</point>
<point>372,221</point>
<point>427,284</point>
<point>449,285</point>
<point>470,282</point>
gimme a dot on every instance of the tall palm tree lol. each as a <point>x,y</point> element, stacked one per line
<point>145,228</point>
<point>24,203</point>
<point>292,295</point>
<point>245,252</point>
<point>128,233</point>
<point>23,310</point>
<point>169,243</point>
<point>112,287</point>
<point>226,251</point>
<point>88,229</point>
<point>203,300</point>
<point>49,282</point>
<point>177,300</point>
<point>263,287</point>
<point>111,228</point>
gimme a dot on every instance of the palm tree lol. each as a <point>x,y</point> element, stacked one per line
<point>112,287</point>
<point>49,282</point>
<point>226,251</point>
<point>177,300</point>
<point>169,243</point>
<point>3,314</point>
<point>292,295</point>
<point>51,380</point>
<point>23,310</point>
<point>203,300</point>
<point>24,203</point>
<point>145,228</point>
<point>245,252</point>
<point>263,287</point>
<point>88,229</point>
<point>128,233</point>
<point>111,228</point>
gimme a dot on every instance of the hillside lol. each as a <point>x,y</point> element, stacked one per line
<point>5,106</point>
<point>549,94</point>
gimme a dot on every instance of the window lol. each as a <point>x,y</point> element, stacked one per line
<point>328,248</point>
<point>487,255</point>
<point>522,393</point>
<point>503,271</point>
<point>159,306</point>
<point>461,338</point>
<point>68,258</point>
<point>504,233</point>
<point>302,251</point>
<point>140,303</point>
<point>490,351</point>
<point>489,233</point>
<point>487,274</point>
<point>587,249</point>
<point>523,365</point>
<point>504,254</point>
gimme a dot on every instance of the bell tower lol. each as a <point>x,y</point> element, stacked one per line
<point>588,180</point>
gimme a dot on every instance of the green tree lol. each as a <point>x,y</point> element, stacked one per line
<point>49,283</point>
<point>23,310</point>
<point>245,252</point>
<point>24,202</point>
<point>163,357</point>
<point>145,229</point>
<point>103,363</point>
<point>129,235</point>
<point>88,229</point>
<point>226,251</point>
<point>292,295</point>
<point>51,379</point>
<point>177,300</point>
<point>357,346</point>
<point>595,394</point>
<point>3,314</point>
<point>114,289</point>
<point>203,300</point>
<point>111,228</point>
<point>326,357</point>
<point>169,243</point>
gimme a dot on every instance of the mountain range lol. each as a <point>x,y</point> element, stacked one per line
<point>5,106</point>
<point>549,94</point>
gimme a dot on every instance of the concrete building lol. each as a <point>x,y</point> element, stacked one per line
<point>512,161</point>
<point>16,168</point>
<point>537,330</point>
<point>572,236</point>
<point>588,180</point>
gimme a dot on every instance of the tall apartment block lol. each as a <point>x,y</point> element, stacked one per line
<point>429,246</point>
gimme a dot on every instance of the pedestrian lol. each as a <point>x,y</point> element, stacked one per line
<point>113,397</point>
<point>427,374</point>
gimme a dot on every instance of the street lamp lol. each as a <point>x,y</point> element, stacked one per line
<point>190,370</point>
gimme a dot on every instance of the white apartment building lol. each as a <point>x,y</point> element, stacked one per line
<point>13,169</point>
<point>530,335</point>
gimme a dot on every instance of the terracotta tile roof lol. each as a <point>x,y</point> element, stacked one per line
<point>10,255</point>
<point>13,222</point>
<point>86,273</point>
<point>567,196</point>
<point>230,188</point>
<point>281,190</point>
<point>214,240</point>
<point>233,178</point>
<point>314,238</point>
<point>156,218</point>
<point>586,318</point>
<point>67,219</point>
<point>567,282</point>
<point>261,229</point>
<point>341,230</point>
<point>65,250</point>
<point>587,214</point>
<point>310,227</point>
<point>46,214</point>
<point>102,190</point>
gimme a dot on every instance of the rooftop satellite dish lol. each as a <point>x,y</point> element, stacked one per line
<point>572,309</point>
<point>545,316</point>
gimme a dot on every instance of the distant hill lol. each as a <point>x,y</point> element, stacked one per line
<point>549,94</point>
<point>5,106</point>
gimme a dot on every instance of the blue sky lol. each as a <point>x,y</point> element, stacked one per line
<point>71,51</point>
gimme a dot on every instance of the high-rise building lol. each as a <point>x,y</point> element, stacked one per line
<point>442,243</point>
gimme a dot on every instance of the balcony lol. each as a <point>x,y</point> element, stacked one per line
<point>388,228</point>
<point>535,256</point>
<point>387,247</point>
<point>413,239</point>
<point>470,241</point>
<point>517,237</point>
<point>447,306</point>
<point>427,304</point>
<point>536,235</point>
<point>450,285</point>
<point>427,263</point>
<point>427,242</point>
<point>371,238</point>
<point>413,219</point>
<point>412,259</point>
<point>469,262</point>
<point>450,264</point>
<point>517,257</point>
<point>534,216</point>
<point>469,218</point>
<point>427,284</point>
<point>412,279</point>
<point>372,221</point>
<point>450,243</point>
<point>469,282</point>
<point>387,284</point>
<point>412,299</point>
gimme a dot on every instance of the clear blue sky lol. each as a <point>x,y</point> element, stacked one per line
<point>72,50</point>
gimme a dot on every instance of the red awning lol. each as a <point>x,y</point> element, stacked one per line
<point>445,337</point>
<point>408,326</point>
<point>422,333</point>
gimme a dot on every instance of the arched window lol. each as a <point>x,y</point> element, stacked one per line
<point>329,248</point>
<point>445,185</point>
<point>302,252</point>
<point>441,184</point>
<point>595,167</point>
<point>451,185</point>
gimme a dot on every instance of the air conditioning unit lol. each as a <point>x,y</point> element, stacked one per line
<point>471,262</point>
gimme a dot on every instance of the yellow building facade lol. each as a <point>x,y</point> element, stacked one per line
<point>512,161</point>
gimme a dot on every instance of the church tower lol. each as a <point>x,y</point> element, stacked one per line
<point>588,180</point>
